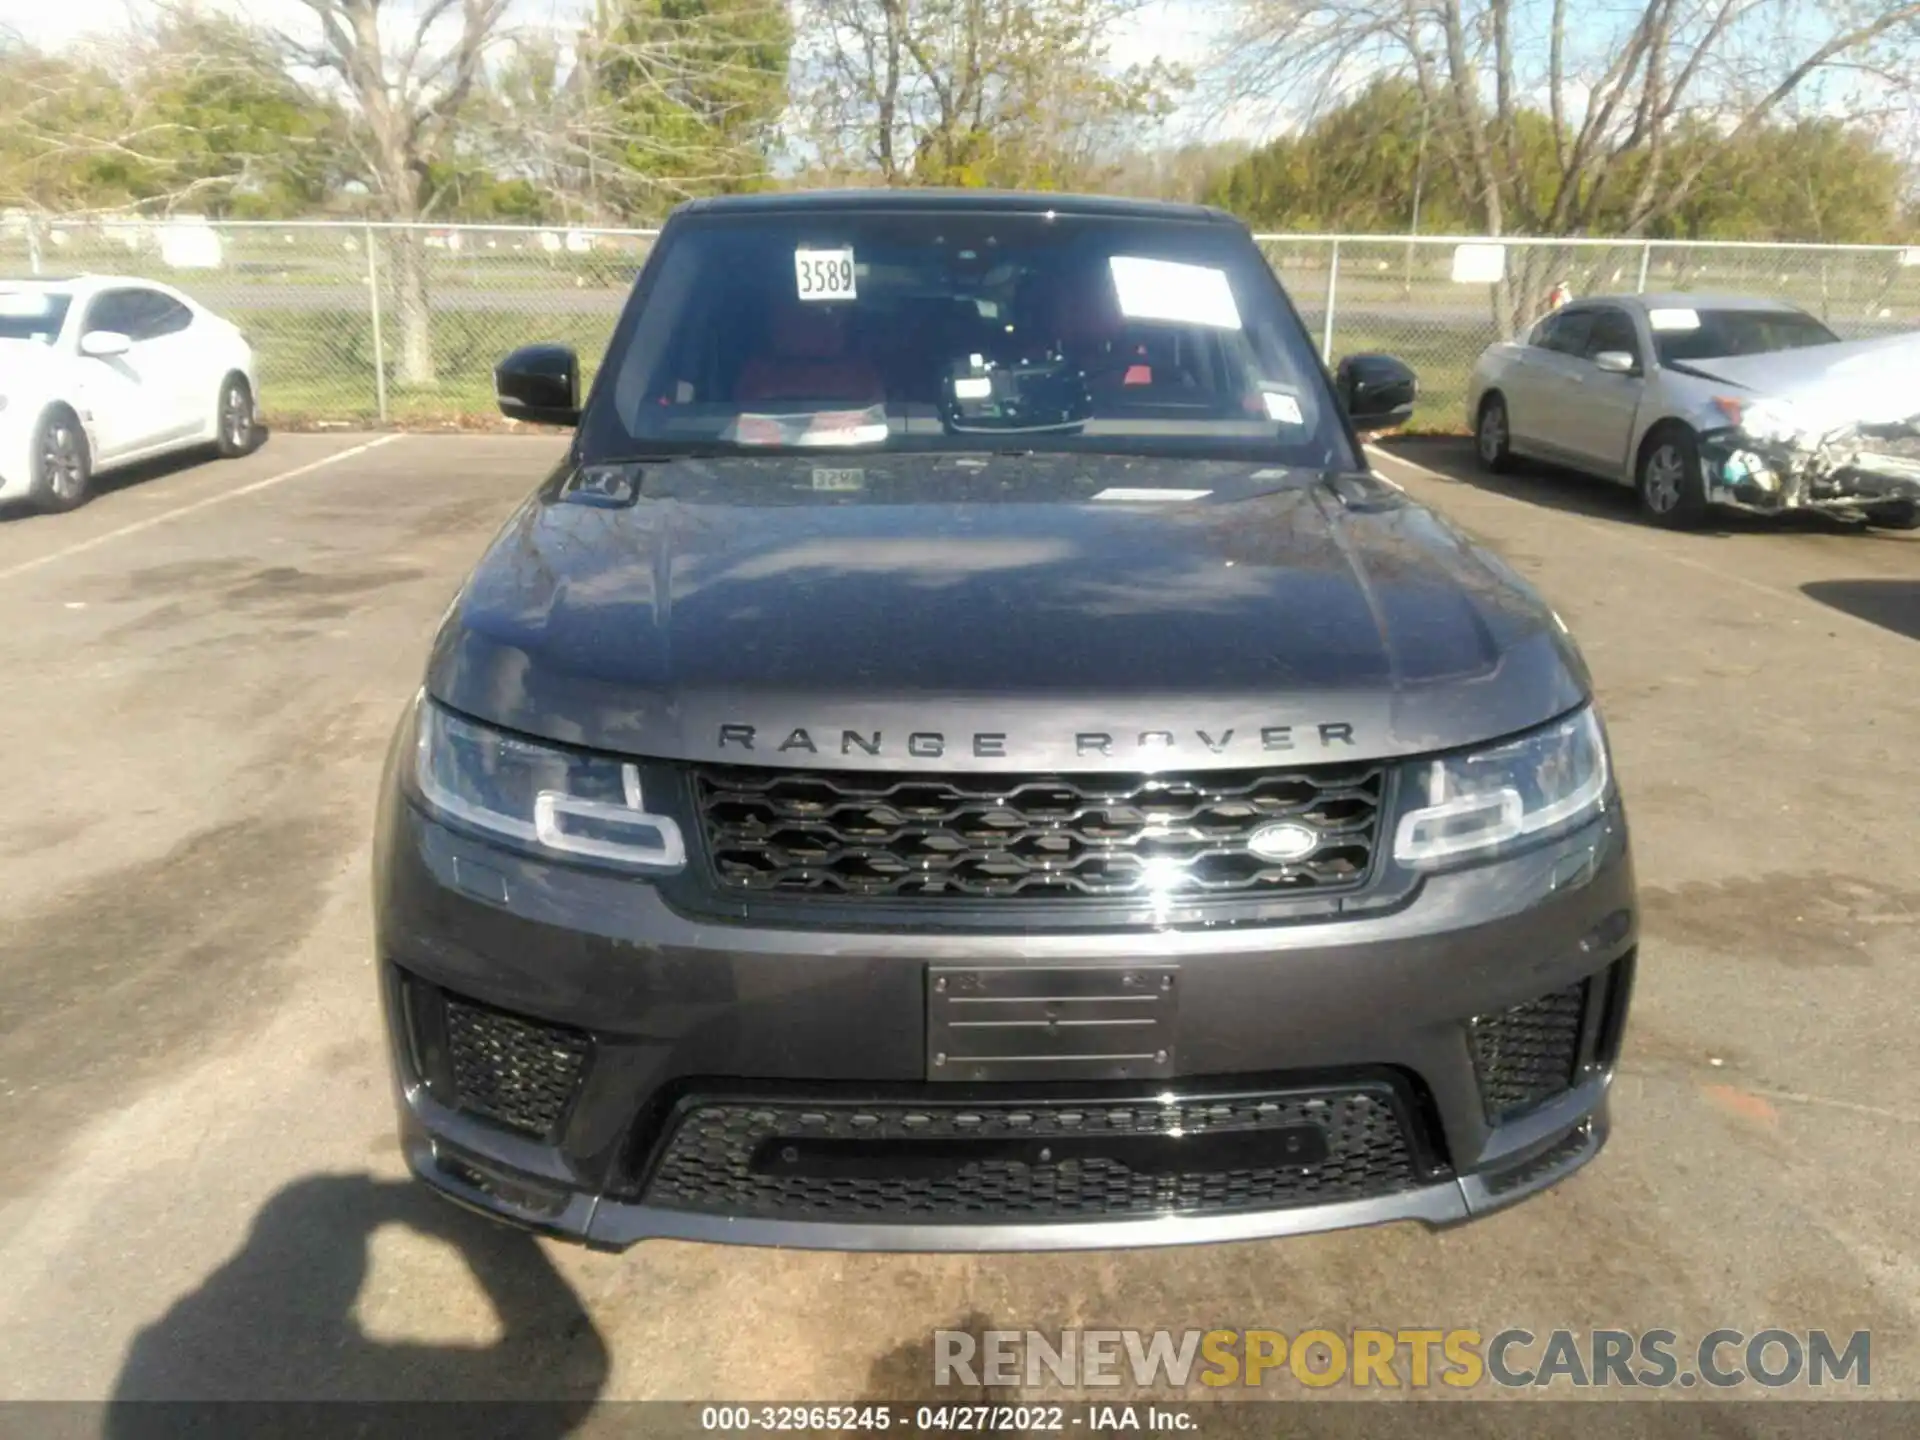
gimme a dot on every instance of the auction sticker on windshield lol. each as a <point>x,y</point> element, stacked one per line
<point>1283,408</point>
<point>824,274</point>
<point>1168,290</point>
<point>1674,319</point>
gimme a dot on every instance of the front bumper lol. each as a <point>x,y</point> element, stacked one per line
<point>1846,478</point>
<point>671,1013</point>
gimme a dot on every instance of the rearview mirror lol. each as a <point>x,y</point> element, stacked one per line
<point>539,384</point>
<point>1615,362</point>
<point>104,344</point>
<point>1377,391</point>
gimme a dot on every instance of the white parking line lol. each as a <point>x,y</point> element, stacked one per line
<point>1611,533</point>
<point>80,546</point>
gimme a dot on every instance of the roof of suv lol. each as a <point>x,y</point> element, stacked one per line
<point>1001,201</point>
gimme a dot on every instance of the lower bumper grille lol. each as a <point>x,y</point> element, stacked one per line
<point>518,1072</point>
<point>1051,1160</point>
<point>1526,1055</point>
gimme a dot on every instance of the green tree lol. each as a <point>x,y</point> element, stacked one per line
<point>685,96</point>
<point>1368,166</point>
<point>194,113</point>
<point>237,131</point>
<point>975,92</point>
<point>1816,180</point>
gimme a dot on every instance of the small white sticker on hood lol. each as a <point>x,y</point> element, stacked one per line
<point>1674,319</point>
<point>1123,492</point>
<point>1169,290</point>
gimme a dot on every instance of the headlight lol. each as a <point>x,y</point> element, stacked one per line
<point>1486,799</point>
<point>1768,421</point>
<point>542,798</point>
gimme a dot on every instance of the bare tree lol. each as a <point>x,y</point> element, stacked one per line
<point>1622,86</point>
<point>409,71</point>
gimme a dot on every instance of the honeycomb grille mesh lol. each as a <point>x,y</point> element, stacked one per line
<point>518,1072</point>
<point>707,1161</point>
<point>1528,1054</point>
<point>853,834</point>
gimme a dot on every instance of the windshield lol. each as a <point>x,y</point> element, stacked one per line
<point>946,331</point>
<point>35,314</point>
<point>1717,334</point>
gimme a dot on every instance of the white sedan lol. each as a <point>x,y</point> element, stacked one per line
<point>1682,397</point>
<point>101,371</point>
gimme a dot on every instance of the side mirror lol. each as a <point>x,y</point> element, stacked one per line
<point>1377,391</point>
<point>104,344</point>
<point>1615,362</point>
<point>540,384</point>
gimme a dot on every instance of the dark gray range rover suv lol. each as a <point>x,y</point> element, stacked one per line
<point>963,754</point>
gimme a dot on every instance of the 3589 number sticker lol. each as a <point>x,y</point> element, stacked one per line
<point>823,274</point>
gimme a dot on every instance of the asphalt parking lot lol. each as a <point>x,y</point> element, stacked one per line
<point>200,1196</point>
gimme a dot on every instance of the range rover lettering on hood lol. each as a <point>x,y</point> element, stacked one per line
<point>993,744</point>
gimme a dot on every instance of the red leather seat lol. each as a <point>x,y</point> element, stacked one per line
<point>1088,323</point>
<point>805,360</point>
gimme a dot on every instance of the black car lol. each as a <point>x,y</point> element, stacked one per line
<point>962,753</point>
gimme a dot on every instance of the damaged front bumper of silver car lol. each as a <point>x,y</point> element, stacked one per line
<point>1826,427</point>
<point>1853,470</point>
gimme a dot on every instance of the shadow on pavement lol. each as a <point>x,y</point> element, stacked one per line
<point>1539,483</point>
<point>138,473</point>
<point>277,1322</point>
<point>1891,604</point>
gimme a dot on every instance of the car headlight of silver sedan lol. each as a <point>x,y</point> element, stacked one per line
<point>1479,802</point>
<point>563,803</point>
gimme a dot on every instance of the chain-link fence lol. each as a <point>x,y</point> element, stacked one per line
<point>355,323</point>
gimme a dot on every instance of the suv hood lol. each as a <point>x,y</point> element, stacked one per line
<point>942,612</point>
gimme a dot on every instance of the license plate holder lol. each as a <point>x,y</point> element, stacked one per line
<point>1058,1022</point>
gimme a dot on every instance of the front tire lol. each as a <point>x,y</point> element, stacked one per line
<point>1493,436</point>
<point>237,427</point>
<point>62,463</point>
<point>1895,515</point>
<point>1673,492</point>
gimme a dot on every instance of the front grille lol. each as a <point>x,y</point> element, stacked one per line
<point>1530,1053</point>
<point>722,1156</point>
<point>518,1072</point>
<point>1087,837</point>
